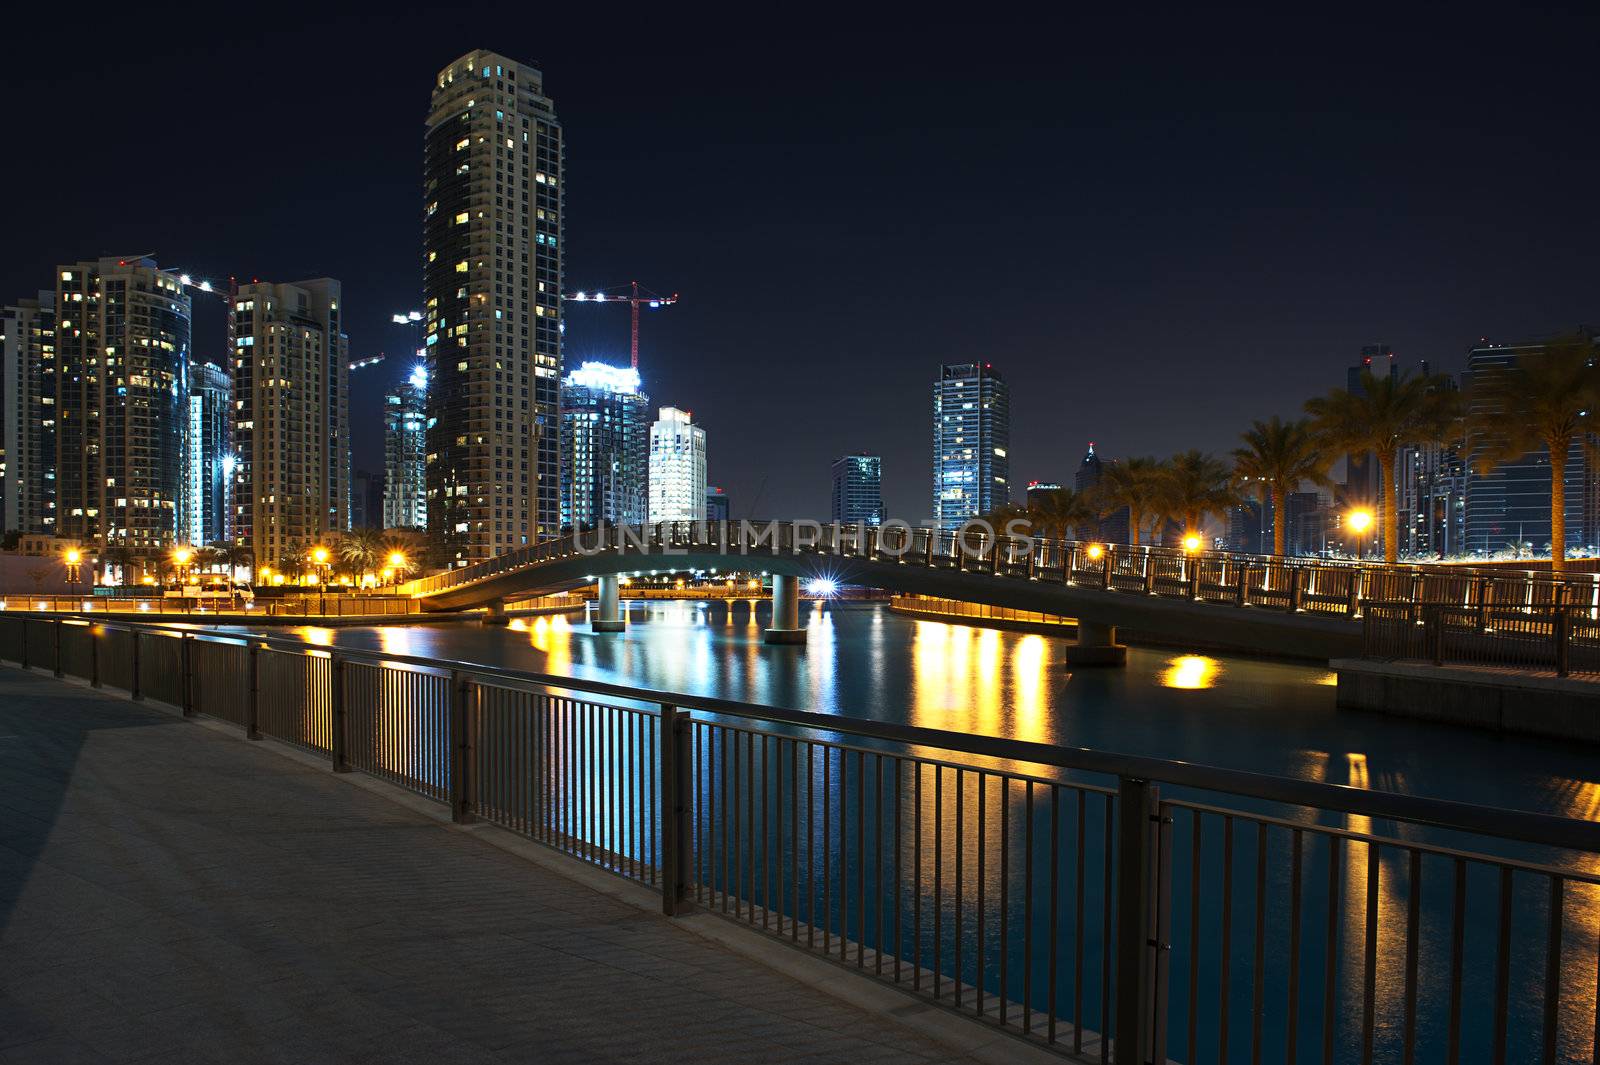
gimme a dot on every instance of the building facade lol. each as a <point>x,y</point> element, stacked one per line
<point>291,430</point>
<point>605,441</point>
<point>971,443</point>
<point>28,416</point>
<point>122,345</point>
<point>677,477</point>
<point>405,454</point>
<point>718,506</point>
<point>207,455</point>
<point>366,500</point>
<point>492,275</point>
<point>858,489</point>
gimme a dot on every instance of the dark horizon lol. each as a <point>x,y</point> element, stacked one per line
<point>1156,233</point>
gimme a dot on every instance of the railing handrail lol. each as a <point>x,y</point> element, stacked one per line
<point>1451,815</point>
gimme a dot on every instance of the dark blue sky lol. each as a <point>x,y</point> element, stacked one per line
<point>1158,229</point>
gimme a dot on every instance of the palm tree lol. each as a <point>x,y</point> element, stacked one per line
<point>1542,401</point>
<point>1386,414</point>
<point>120,556</point>
<point>1062,513</point>
<point>361,549</point>
<point>1197,485</point>
<point>1140,484</point>
<point>1276,458</point>
<point>233,556</point>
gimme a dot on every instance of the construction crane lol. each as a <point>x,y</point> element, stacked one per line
<point>638,296</point>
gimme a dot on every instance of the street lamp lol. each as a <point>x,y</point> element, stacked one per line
<point>180,558</point>
<point>1095,551</point>
<point>1191,543</point>
<point>1359,521</point>
<point>73,558</point>
<point>397,566</point>
<point>319,556</point>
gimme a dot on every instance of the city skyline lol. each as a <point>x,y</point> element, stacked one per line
<point>1151,281</point>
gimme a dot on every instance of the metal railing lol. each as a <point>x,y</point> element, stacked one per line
<point>264,606</point>
<point>1121,908</point>
<point>1330,587</point>
<point>1563,639</point>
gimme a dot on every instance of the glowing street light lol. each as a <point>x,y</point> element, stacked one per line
<point>1359,520</point>
<point>1095,551</point>
<point>1191,543</point>
<point>73,558</point>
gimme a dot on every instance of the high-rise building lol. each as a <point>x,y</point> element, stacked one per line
<point>971,443</point>
<point>1250,527</point>
<point>28,416</point>
<point>717,504</point>
<point>858,489</point>
<point>492,259</point>
<point>208,458</point>
<point>1113,526</point>
<point>677,477</point>
<point>605,439</point>
<point>122,343</point>
<point>1511,503</point>
<point>1307,530</point>
<point>291,430</point>
<point>405,453</point>
<point>366,500</point>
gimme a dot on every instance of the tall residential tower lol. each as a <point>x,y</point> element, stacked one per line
<point>491,259</point>
<point>858,489</point>
<point>971,443</point>
<point>122,345</point>
<point>405,452</point>
<point>208,458</point>
<point>677,468</point>
<point>605,439</point>
<point>291,429</point>
<point>28,416</point>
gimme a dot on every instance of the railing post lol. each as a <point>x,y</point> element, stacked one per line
<point>1105,568</point>
<point>58,625</point>
<point>1353,607</point>
<point>252,706</point>
<point>133,655</point>
<point>1149,573</point>
<point>1561,630</point>
<point>1033,560</point>
<point>674,805</point>
<point>1242,596</point>
<point>1194,578</point>
<point>1297,589</point>
<point>1136,874</point>
<point>461,784</point>
<point>933,536</point>
<point>94,657</point>
<point>1433,631</point>
<point>337,749</point>
<point>994,555</point>
<point>185,675</point>
<point>1483,605</point>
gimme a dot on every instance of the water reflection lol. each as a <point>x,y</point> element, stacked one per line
<point>862,660</point>
<point>1192,671</point>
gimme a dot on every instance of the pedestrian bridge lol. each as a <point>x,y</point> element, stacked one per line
<point>1308,608</point>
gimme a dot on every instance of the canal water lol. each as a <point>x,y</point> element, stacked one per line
<point>861,660</point>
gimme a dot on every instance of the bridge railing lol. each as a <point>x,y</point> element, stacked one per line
<point>1323,586</point>
<point>1065,895</point>
<point>1558,638</point>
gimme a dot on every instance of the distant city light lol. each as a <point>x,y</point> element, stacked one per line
<point>600,375</point>
<point>228,463</point>
<point>822,586</point>
<point>419,377</point>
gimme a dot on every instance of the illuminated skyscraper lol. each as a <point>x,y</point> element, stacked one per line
<point>858,489</point>
<point>605,438</point>
<point>677,479</point>
<point>291,429</point>
<point>492,261</point>
<point>971,443</point>
<point>122,343</point>
<point>208,459</point>
<point>28,416</point>
<point>405,453</point>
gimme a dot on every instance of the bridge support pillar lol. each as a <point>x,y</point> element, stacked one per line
<point>785,611</point>
<point>608,608</point>
<point>1097,646</point>
<point>494,612</point>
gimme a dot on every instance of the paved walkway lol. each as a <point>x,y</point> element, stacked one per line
<point>170,893</point>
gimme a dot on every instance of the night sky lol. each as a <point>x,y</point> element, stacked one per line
<point>1156,229</point>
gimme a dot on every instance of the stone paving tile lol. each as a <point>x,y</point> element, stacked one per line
<point>171,894</point>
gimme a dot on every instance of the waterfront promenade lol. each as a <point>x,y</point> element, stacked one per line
<point>170,893</point>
